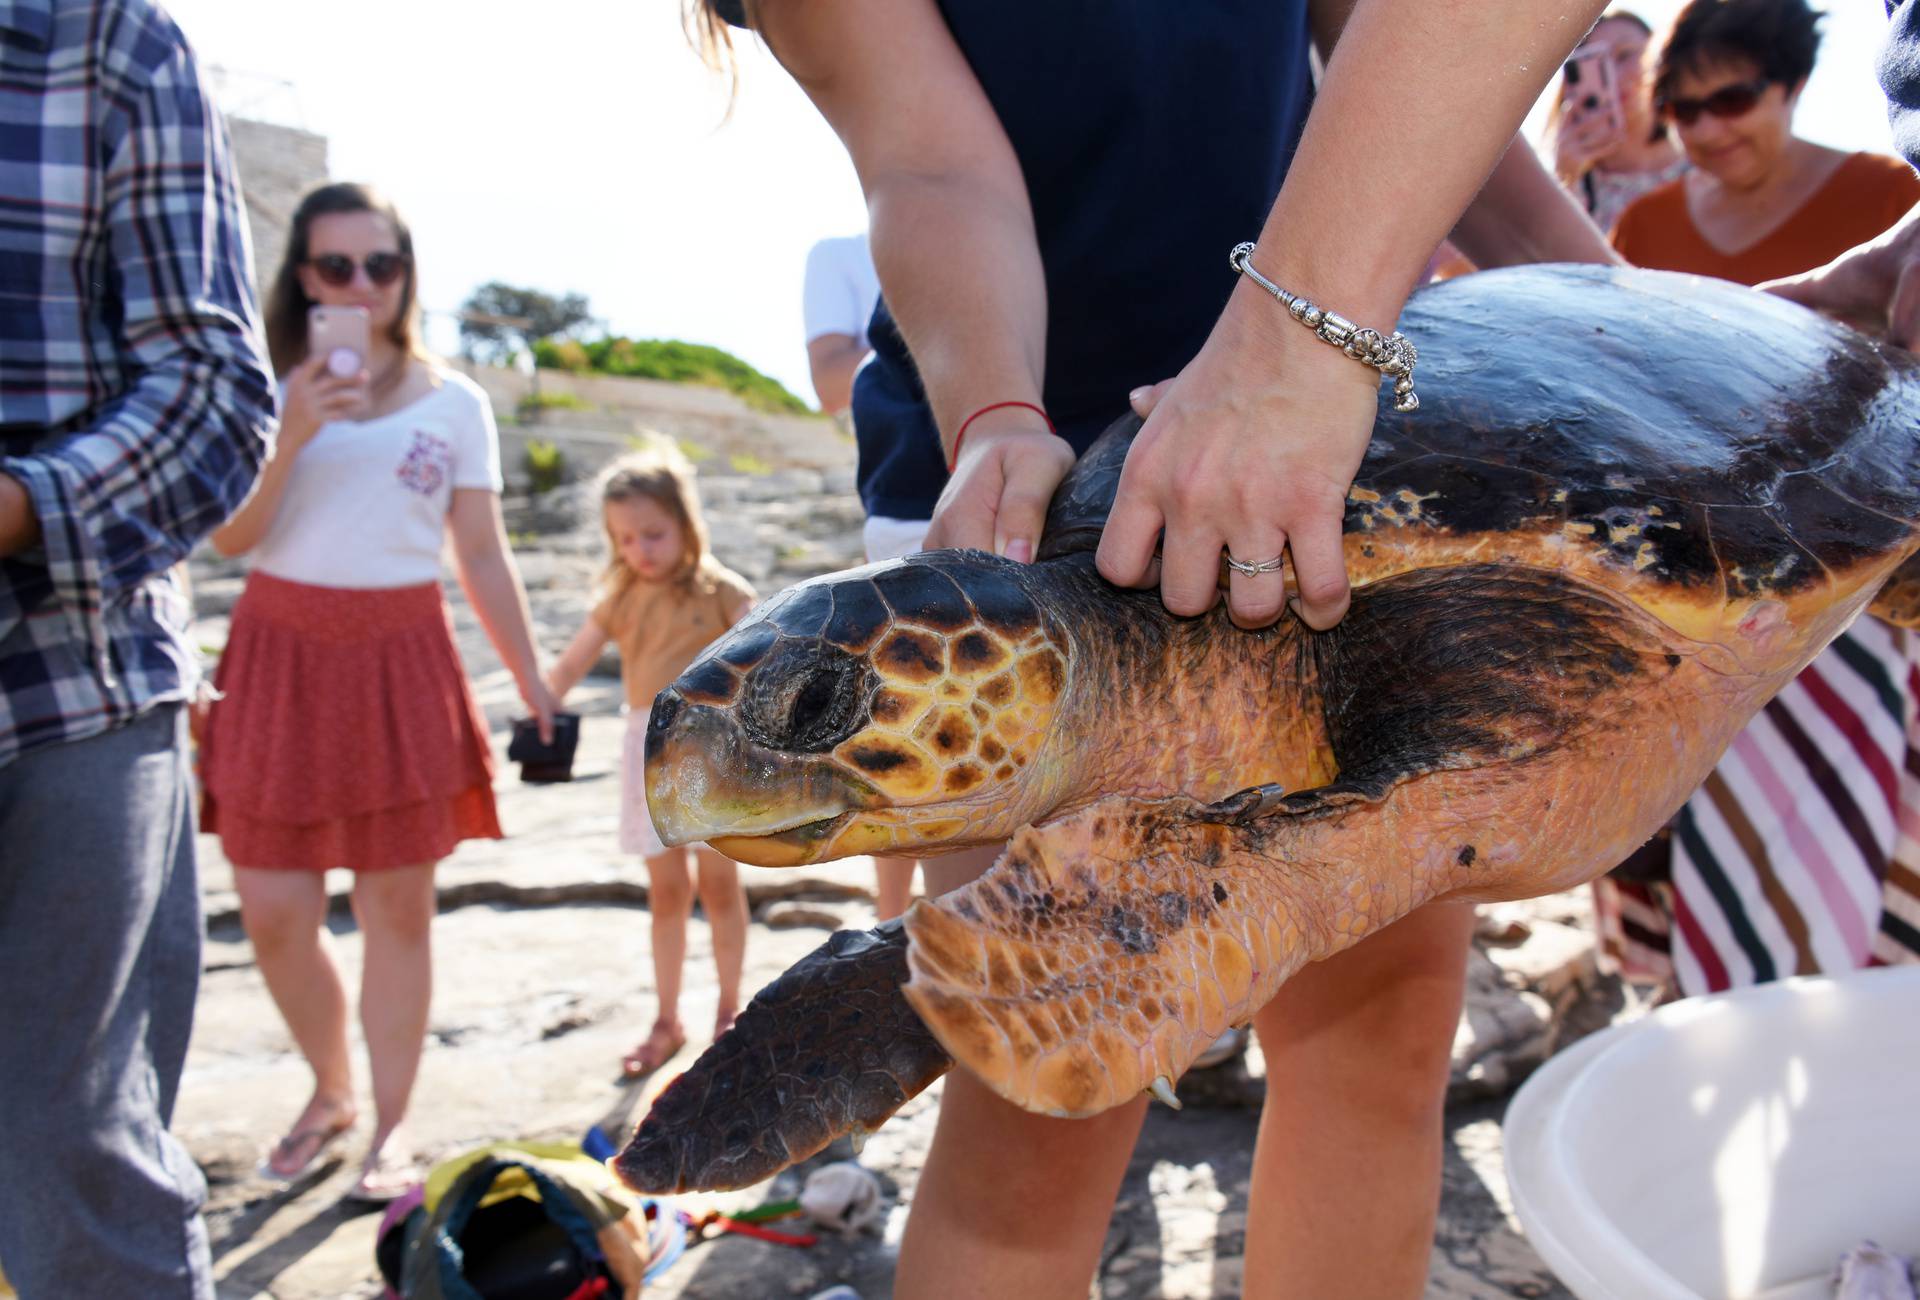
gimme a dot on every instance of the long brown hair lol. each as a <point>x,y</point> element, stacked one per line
<point>659,473</point>
<point>287,302</point>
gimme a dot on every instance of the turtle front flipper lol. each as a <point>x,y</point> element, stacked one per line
<point>1105,951</point>
<point>827,1049</point>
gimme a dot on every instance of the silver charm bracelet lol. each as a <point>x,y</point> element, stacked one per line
<point>1392,356</point>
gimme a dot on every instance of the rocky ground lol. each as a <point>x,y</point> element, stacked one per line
<point>543,979</point>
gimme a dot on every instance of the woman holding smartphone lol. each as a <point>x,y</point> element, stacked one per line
<point>1609,147</point>
<point>347,735</point>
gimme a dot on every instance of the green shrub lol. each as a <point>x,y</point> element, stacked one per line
<point>532,404</point>
<point>745,462</point>
<point>546,465</point>
<point>565,354</point>
<point>675,362</point>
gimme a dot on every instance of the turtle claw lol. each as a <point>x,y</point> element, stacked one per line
<point>1161,1089</point>
<point>1247,805</point>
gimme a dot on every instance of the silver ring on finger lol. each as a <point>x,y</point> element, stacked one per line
<point>1252,570</point>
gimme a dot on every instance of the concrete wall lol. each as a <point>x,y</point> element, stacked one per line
<point>277,166</point>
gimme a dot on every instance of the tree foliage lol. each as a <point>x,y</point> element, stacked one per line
<point>499,319</point>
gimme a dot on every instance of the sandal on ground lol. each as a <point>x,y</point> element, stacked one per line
<point>658,1048</point>
<point>315,1141</point>
<point>386,1175</point>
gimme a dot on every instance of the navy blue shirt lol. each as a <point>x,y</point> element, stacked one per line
<point>1900,77</point>
<point>1153,135</point>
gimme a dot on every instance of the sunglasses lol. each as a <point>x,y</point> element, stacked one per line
<point>1728,101</point>
<point>337,269</point>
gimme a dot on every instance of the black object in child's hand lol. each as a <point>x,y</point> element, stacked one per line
<point>542,763</point>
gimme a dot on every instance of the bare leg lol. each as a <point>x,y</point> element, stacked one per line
<point>1346,1176</point>
<point>725,903</point>
<point>395,910</point>
<point>284,913</point>
<point>893,881</point>
<point>670,899</point>
<point>1009,1203</point>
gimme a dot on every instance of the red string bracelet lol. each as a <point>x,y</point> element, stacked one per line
<point>994,406</point>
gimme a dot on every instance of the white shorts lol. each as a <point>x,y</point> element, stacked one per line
<point>889,539</point>
<point>636,824</point>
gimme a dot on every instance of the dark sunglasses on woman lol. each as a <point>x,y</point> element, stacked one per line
<point>1728,101</point>
<point>337,268</point>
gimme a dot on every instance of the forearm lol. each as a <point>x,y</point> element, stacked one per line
<point>831,362</point>
<point>961,267</point>
<point>1462,76</point>
<point>1523,215</point>
<point>19,526</point>
<point>164,465</point>
<point>576,660</point>
<point>563,675</point>
<point>493,589</point>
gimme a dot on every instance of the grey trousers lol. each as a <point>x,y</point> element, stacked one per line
<point>99,966</point>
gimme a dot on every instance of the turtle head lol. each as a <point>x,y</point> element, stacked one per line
<point>901,708</point>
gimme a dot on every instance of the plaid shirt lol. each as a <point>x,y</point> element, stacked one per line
<point>136,403</point>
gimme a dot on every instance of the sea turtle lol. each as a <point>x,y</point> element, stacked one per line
<point>1631,506</point>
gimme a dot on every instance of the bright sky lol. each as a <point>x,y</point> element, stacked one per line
<point>578,145</point>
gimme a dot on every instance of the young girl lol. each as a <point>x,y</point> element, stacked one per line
<point>347,735</point>
<point>664,598</point>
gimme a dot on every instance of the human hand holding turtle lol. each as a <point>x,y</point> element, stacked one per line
<point>996,499</point>
<point>1875,287</point>
<point>1250,449</point>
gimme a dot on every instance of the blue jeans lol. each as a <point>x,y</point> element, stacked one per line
<point>99,966</point>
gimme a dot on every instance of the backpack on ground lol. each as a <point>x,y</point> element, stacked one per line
<point>515,1221</point>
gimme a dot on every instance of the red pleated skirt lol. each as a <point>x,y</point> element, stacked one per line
<point>346,735</point>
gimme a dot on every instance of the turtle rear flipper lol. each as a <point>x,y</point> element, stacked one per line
<point>827,1049</point>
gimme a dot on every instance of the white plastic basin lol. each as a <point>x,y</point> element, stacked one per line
<point>1727,1146</point>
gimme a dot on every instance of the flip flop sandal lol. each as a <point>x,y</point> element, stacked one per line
<point>643,1059</point>
<point>383,1178</point>
<point>322,1138</point>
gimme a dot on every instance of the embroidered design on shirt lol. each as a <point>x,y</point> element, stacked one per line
<point>426,464</point>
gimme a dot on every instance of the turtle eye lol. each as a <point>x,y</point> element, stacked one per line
<point>805,697</point>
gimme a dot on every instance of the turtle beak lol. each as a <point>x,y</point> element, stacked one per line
<point>706,780</point>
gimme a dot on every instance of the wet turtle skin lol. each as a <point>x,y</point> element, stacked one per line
<point>1632,505</point>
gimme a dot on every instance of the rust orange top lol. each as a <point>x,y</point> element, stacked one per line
<point>661,626</point>
<point>1865,195</point>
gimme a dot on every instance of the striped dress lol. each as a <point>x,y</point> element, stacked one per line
<point>1800,854</point>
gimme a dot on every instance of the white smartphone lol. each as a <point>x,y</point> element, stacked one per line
<point>342,335</point>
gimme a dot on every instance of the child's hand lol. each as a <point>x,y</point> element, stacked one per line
<point>542,704</point>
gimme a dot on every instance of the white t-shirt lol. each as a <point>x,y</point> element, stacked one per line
<point>366,505</point>
<point>841,288</point>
